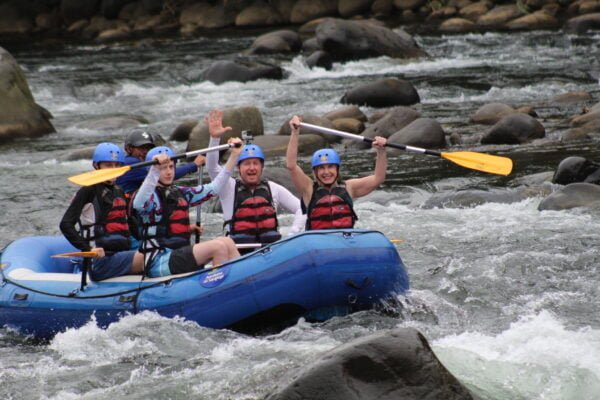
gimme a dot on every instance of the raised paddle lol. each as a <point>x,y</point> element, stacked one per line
<point>106,174</point>
<point>468,159</point>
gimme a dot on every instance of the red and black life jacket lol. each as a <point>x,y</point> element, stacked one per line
<point>110,229</point>
<point>173,230</point>
<point>253,213</point>
<point>329,208</point>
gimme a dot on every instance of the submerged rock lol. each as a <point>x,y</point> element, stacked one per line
<point>571,196</point>
<point>388,365</point>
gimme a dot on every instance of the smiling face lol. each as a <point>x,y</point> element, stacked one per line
<point>251,171</point>
<point>326,174</point>
<point>167,173</point>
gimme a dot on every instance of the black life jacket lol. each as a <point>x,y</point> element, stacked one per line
<point>110,229</point>
<point>329,208</point>
<point>254,216</point>
<point>173,229</point>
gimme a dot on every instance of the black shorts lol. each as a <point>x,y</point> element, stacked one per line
<point>182,260</point>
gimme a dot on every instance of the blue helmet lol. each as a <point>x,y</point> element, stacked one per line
<point>108,152</point>
<point>251,151</point>
<point>325,156</point>
<point>160,150</point>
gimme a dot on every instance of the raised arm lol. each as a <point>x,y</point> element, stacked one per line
<point>363,186</point>
<point>214,121</point>
<point>301,181</point>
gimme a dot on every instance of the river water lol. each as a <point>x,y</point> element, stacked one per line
<point>507,295</point>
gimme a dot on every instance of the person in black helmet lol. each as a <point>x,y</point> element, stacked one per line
<point>137,145</point>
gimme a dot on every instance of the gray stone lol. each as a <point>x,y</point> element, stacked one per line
<point>20,115</point>
<point>387,92</point>
<point>571,196</point>
<point>514,129</point>
<point>387,365</point>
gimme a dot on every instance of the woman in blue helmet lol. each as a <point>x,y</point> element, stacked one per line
<point>250,203</point>
<point>163,210</point>
<point>328,203</point>
<point>96,220</point>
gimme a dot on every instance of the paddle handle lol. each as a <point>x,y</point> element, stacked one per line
<point>188,154</point>
<point>347,135</point>
<point>199,207</point>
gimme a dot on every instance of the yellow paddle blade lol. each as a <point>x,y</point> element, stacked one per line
<point>396,240</point>
<point>84,254</point>
<point>481,162</point>
<point>98,175</point>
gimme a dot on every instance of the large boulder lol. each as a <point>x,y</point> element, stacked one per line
<point>225,71</point>
<point>422,132</point>
<point>514,129</point>
<point>276,145</point>
<point>386,126</point>
<point>239,119</point>
<point>387,365</point>
<point>20,115</point>
<point>387,92</point>
<point>351,40</point>
<point>576,169</point>
<point>571,196</point>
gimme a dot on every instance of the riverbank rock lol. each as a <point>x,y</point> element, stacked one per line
<point>514,129</point>
<point>383,93</point>
<point>225,71</point>
<point>352,40</point>
<point>583,23</point>
<point>571,196</point>
<point>422,132</point>
<point>259,14</point>
<point>387,365</point>
<point>20,115</point>
<point>240,119</point>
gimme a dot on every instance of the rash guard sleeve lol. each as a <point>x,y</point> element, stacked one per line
<point>69,221</point>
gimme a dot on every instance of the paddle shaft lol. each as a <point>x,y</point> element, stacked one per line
<point>347,135</point>
<point>199,207</point>
<point>185,155</point>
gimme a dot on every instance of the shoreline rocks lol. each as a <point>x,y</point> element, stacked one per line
<point>106,21</point>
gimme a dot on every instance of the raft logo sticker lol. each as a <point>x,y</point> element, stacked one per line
<point>215,277</point>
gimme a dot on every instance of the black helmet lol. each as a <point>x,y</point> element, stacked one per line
<point>139,138</point>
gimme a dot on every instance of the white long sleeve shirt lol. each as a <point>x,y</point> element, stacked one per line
<point>282,198</point>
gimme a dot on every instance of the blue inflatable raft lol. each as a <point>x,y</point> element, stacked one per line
<point>317,274</point>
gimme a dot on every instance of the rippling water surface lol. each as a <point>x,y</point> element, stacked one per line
<point>507,295</point>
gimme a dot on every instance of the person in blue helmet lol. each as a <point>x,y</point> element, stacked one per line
<point>96,220</point>
<point>137,144</point>
<point>163,210</point>
<point>326,201</point>
<point>250,203</point>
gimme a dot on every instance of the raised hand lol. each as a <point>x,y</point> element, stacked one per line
<point>214,120</point>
